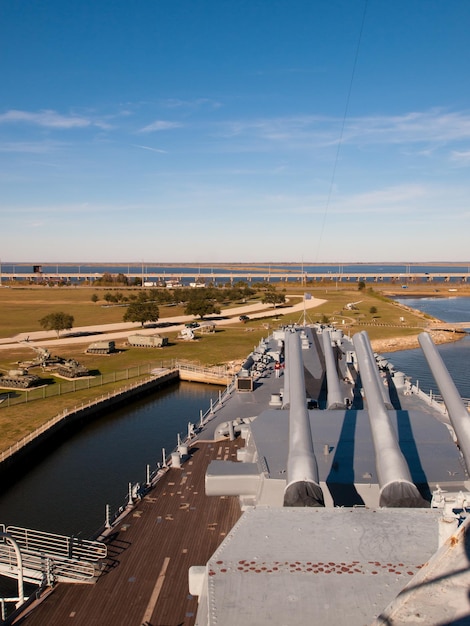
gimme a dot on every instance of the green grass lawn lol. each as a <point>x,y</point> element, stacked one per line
<point>20,310</point>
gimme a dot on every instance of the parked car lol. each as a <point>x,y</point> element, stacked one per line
<point>243,318</point>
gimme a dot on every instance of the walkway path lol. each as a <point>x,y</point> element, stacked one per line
<point>107,332</point>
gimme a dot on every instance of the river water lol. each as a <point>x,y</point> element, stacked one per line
<point>67,492</point>
<point>456,356</point>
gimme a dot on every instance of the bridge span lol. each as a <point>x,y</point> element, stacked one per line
<point>166,278</point>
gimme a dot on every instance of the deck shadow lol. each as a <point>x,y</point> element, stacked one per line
<point>340,480</point>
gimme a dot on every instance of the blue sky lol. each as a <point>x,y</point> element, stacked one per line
<point>232,130</point>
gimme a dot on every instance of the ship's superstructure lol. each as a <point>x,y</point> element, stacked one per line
<point>352,487</point>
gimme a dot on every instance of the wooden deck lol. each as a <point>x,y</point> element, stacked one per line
<point>145,577</point>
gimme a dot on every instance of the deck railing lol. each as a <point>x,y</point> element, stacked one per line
<point>156,474</point>
<point>50,557</point>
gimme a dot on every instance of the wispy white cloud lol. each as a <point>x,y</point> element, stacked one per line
<point>461,157</point>
<point>49,119</point>
<point>151,149</point>
<point>435,125</point>
<point>159,125</point>
<point>427,127</point>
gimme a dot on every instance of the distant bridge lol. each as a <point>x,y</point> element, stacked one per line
<point>228,276</point>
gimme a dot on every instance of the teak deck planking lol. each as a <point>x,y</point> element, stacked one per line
<point>145,576</point>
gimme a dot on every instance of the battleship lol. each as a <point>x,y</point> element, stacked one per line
<point>323,487</point>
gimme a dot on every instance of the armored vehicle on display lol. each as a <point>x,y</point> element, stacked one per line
<point>70,368</point>
<point>101,347</point>
<point>18,379</point>
<point>147,341</point>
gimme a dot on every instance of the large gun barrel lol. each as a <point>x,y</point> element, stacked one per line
<point>335,398</point>
<point>303,488</point>
<point>396,486</point>
<point>458,415</point>
<point>381,387</point>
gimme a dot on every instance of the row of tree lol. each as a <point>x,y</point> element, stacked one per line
<point>144,306</point>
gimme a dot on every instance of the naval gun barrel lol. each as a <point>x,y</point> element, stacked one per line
<point>303,487</point>
<point>335,397</point>
<point>458,415</point>
<point>396,486</point>
<point>381,387</point>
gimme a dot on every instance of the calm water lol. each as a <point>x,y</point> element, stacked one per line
<point>456,355</point>
<point>67,492</point>
<point>187,273</point>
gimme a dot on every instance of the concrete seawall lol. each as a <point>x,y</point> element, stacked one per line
<point>20,458</point>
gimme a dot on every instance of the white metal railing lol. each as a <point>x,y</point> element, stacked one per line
<point>50,557</point>
<point>220,371</point>
<point>435,399</point>
<point>57,545</point>
<point>155,476</point>
<point>38,567</point>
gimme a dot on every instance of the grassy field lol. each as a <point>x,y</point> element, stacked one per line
<point>21,308</point>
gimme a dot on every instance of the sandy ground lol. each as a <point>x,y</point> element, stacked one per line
<point>393,344</point>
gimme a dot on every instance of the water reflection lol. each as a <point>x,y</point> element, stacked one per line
<point>67,491</point>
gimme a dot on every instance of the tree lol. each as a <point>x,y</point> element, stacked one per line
<point>273,297</point>
<point>139,311</point>
<point>201,304</point>
<point>94,298</point>
<point>373,310</point>
<point>361,285</point>
<point>57,321</point>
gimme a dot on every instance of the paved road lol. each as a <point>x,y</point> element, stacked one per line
<point>107,332</point>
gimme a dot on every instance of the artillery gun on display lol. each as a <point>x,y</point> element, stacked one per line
<point>67,368</point>
<point>44,358</point>
<point>18,379</point>
<point>186,334</point>
<point>352,306</point>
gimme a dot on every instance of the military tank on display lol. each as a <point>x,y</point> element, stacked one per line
<point>18,379</point>
<point>70,368</point>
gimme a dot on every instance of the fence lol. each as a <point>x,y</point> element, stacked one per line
<point>12,397</point>
<point>162,370</point>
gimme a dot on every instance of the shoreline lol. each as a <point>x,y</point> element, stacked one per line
<point>396,344</point>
